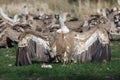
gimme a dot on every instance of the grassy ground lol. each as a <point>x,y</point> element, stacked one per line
<point>86,71</point>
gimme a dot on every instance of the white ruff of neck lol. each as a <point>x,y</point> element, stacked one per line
<point>63,29</point>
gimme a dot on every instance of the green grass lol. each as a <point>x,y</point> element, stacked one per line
<point>85,71</point>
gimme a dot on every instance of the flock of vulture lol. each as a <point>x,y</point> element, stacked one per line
<point>59,37</point>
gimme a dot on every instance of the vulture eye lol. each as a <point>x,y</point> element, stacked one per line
<point>57,16</point>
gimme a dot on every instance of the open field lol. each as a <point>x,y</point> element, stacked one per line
<point>80,71</point>
<point>85,71</point>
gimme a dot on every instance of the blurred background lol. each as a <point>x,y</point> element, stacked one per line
<point>77,7</point>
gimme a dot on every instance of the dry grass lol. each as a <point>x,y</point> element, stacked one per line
<point>49,6</point>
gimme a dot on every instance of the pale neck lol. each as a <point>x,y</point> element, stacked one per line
<point>62,23</point>
<point>63,29</point>
<point>26,11</point>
